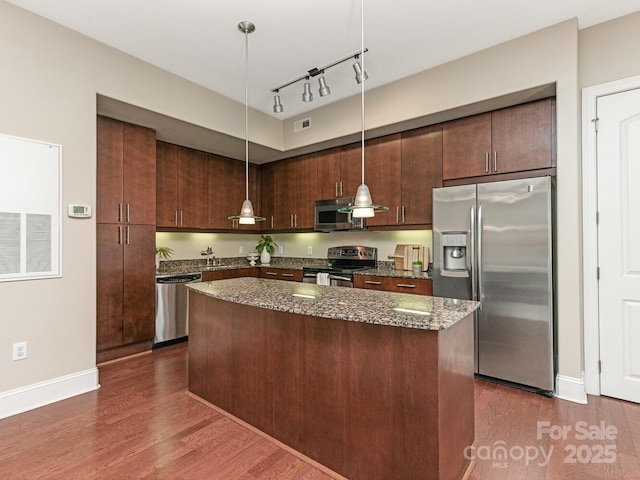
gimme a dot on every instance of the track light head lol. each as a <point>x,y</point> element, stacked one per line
<point>307,96</point>
<point>277,106</point>
<point>324,89</point>
<point>360,74</point>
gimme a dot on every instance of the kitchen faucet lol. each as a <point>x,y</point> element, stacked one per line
<point>211,259</point>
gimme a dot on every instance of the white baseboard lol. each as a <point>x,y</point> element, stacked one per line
<point>571,388</point>
<point>39,394</point>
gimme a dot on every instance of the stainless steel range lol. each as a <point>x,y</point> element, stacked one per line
<point>343,262</point>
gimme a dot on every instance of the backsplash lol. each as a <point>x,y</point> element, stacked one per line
<point>294,245</point>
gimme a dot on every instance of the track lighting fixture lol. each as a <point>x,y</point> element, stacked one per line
<point>277,106</point>
<point>360,74</point>
<point>307,96</point>
<point>324,90</point>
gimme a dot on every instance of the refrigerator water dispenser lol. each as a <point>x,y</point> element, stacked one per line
<point>454,252</point>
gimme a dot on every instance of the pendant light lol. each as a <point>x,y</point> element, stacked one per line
<point>247,216</point>
<point>363,206</point>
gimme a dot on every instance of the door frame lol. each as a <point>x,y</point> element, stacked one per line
<point>590,290</point>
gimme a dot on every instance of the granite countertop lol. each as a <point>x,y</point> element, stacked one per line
<point>390,271</point>
<point>341,303</point>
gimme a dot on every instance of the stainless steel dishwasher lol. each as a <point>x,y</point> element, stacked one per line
<point>172,308</point>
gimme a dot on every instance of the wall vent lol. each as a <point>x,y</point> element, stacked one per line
<point>302,124</point>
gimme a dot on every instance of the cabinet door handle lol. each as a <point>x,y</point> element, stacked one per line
<point>180,217</point>
<point>336,188</point>
<point>397,214</point>
<point>402,213</point>
<point>486,162</point>
<point>119,213</point>
<point>287,274</point>
<point>495,162</point>
<point>128,236</point>
<point>371,282</point>
<point>295,220</point>
<point>119,235</point>
<point>128,214</point>
<point>272,273</point>
<point>341,192</point>
<point>272,224</point>
<point>176,218</point>
<point>405,285</point>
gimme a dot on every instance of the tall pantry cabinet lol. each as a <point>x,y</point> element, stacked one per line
<point>125,230</point>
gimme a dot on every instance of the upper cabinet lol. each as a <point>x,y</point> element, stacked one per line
<point>421,172</point>
<point>401,170</point>
<point>509,140</point>
<point>383,157</point>
<point>182,187</point>
<point>288,191</point>
<point>227,191</point>
<point>126,166</point>
<point>338,172</point>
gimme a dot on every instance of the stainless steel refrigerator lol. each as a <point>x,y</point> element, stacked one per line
<point>493,242</point>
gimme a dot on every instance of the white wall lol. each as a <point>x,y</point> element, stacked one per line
<point>50,78</point>
<point>48,86</point>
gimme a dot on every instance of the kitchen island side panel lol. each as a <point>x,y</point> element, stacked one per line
<point>361,399</point>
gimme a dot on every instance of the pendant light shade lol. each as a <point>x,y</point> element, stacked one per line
<point>247,215</point>
<point>363,206</point>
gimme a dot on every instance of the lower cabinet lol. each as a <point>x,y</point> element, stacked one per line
<point>416,286</point>
<point>125,289</point>
<point>289,274</point>
<point>229,273</point>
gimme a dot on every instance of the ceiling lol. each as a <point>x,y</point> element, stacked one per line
<point>199,39</point>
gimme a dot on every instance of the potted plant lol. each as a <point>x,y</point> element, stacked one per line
<point>266,247</point>
<point>162,252</point>
<point>417,267</point>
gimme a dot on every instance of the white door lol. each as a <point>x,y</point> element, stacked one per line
<point>618,150</point>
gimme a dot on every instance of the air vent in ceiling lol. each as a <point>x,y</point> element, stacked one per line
<point>302,124</point>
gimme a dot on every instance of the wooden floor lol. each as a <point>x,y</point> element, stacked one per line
<point>143,425</point>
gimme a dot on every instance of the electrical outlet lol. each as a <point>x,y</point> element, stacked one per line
<point>280,249</point>
<point>20,351</point>
<point>241,249</point>
<point>309,250</point>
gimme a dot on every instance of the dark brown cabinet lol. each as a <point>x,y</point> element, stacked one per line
<point>125,232</point>
<point>289,189</point>
<point>125,284</point>
<point>513,139</point>
<point>227,191</point>
<point>126,170</point>
<point>382,176</point>
<point>229,273</point>
<point>287,274</point>
<point>421,173</point>
<point>182,187</point>
<point>415,286</point>
<point>339,172</point>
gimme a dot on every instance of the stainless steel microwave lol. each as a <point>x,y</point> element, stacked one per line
<point>328,219</point>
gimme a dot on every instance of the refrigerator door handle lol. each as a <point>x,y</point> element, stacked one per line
<point>473,271</point>
<point>479,254</point>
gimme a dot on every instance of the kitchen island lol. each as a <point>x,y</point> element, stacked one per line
<point>373,385</point>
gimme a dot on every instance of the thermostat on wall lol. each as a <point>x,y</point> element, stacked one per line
<point>79,211</point>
